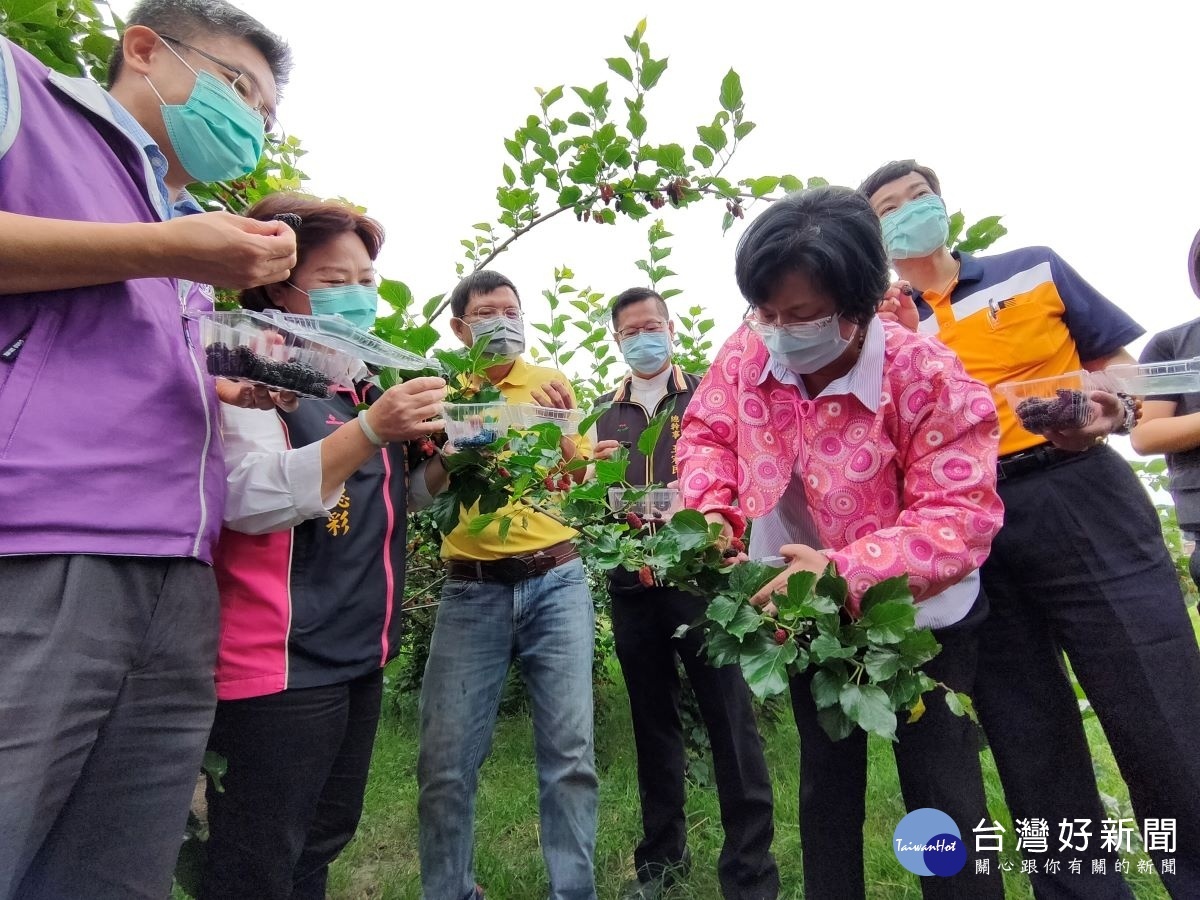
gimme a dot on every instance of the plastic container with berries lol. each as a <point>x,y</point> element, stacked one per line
<point>657,504</point>
<point>526,415</point>
<point>243,345</point>
<point>1061,401</point>
<point>476,425</point>
<point>338,334</point>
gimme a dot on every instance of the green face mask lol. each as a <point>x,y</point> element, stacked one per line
<point>356,303</point>
<point>215,135</point>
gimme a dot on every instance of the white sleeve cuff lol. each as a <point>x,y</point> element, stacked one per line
<point>302,469</point>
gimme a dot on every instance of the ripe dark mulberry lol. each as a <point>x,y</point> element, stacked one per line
<point>633,519</point>
<point>1068,409</point>
<point>781,636</point>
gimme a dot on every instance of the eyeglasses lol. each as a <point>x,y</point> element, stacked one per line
<point>649,328</point>
<point>491,312</point>
<point>795,329</point>
<point>243,85</point>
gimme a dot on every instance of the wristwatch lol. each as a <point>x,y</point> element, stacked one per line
<point>1132,413</point>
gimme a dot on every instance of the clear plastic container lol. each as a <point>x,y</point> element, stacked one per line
<point>1181,376</point>
<point>658,504</point>
<point>567,420</point>
<point>247,346</point>
<point>1060,401</point>
<point>337,333</point>
<point>475,425</point>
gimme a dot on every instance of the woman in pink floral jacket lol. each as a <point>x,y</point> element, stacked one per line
<point>853,441</point>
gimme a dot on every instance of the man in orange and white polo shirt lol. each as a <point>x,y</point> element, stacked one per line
<point>1080,565</point>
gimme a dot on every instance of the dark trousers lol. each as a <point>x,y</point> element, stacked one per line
<point>106,697</point>
<point>298,764</point>
<point>1080,566</point>
<point>937,758</point>
<point>644,623</point>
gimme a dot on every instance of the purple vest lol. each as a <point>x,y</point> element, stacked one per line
<point>109,442</point>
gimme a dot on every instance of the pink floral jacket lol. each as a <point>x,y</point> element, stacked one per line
<point>910,489</point>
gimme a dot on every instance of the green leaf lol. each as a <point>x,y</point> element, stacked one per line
<point>621,66</point>
<point>961,705</point>
<point>611,471</point>
<point>637,124</point>
<point>765,664</point>
<point>827,687</point>
<point>918,647</point>
<point>648,439</point>
<point>982,235</point>
<point>746,620</point>
<point>834,723</point>
<point>479,524</point>
<point>703,155</point>
<point>722,648</point>
<point>870,708</point>
<point>652,70</point>
<point>32,12</point>
<point>713,136</point>
<point>826,647</point>
<point>889,623</point>
<point>799,586</point>
<point>791,183</point>
<point>215,766</point>
<point>579,118</point>
<point>741,129</point>
<point>882,663</point>
<point>957,222</point>
<point>552,96</point>
<point>509,178</point>
<point>430,305</point>
<point>722,610</point>
<point>396,293</point>
<point>891,590</point>
<point>760,187</point>
<point>570,195</point>
<point>748,578</point>
<point>689,529</point>
<point>731,91</point>
<point>670,156</point>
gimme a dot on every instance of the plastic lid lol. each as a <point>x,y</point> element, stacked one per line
<point>337,333</point>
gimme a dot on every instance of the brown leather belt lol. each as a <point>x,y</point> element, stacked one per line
<point>512,569</point>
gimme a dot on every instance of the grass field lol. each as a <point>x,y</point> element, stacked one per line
<point>382,861</point>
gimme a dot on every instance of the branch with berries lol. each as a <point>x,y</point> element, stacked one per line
<point>864,670</point>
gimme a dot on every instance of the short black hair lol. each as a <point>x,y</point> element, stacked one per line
<point>636,295</point>
<point>186,19</point>
<point>482,282</point>
<point>889,172</point>
<point>832,235</point>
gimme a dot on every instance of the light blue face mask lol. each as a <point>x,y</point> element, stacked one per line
<point>801,349</point>
<point>215,135</point>
<point>916,229</point>
<point>648,352</point>
<point>356,303</point>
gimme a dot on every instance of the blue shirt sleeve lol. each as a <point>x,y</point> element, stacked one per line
<point>1098,326</point>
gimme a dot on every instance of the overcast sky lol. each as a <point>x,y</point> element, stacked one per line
<point>1077,124</point>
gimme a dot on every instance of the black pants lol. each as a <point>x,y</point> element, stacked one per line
<point>1080,566</point>
<point>937,758</point>
<point>643,625</point>
<point>298,764</point>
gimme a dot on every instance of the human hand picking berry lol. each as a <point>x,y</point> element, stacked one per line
<point>409,411</point>
<point>899,306</point>
<point>801,558</point>
<point>554,395</point>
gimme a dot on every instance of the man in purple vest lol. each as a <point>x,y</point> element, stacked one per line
<point>111,476</point>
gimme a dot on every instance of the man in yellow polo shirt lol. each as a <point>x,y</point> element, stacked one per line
<point>527,598</point>
<point>1080,565</point>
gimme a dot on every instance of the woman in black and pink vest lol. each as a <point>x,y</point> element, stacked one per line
<point>311,573</point>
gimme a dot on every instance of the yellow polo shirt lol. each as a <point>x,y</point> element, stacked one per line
<point>530,531</point>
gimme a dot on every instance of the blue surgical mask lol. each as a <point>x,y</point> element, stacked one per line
<point>356,303</point>
<point>505,336</point>
<point>804,348</point>
<point>916,229</point>
<point>215,135</point>
<point>648,352</point>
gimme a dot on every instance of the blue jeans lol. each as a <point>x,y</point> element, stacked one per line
<point>548,623</point>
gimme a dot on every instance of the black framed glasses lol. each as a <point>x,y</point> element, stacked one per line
<point>243,85</point>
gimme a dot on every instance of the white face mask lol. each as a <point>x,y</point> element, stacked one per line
<point>805,347</point>
<point>505,337</point>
